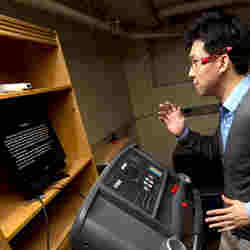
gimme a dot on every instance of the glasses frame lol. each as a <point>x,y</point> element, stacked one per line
<point>211,58</point>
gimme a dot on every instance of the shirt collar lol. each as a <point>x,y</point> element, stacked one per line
<point>236,96</point>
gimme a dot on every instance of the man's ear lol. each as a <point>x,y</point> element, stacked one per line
<point>224,63</point>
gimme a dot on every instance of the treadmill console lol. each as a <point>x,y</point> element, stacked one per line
<point>138,181</point>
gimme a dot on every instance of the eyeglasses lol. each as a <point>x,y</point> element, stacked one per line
<point>195,63</point>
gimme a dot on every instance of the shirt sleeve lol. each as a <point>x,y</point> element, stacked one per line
<point>184,134</point>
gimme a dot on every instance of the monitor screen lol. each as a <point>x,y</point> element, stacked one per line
<point>29,145</point>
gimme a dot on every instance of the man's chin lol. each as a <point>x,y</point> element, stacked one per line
<point>199,92</point>
<point>202,92</point>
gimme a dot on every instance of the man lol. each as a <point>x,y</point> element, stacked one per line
<point>220,48</point>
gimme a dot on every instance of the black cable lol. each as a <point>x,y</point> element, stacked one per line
<point>83,195</point>
<point>39,198</point>
<point>47,222</point>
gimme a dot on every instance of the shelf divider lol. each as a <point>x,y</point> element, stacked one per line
<point>14,94</point>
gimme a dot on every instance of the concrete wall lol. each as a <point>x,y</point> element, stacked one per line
<point>166,80</point>
<point>94,61</point>
<point>152,135</point>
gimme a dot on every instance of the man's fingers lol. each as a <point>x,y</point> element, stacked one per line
<point>167,106</point>
<point>163,115</point>
<point>175,107</point>
<point>222,224</point>
<point>163,119</point>
<point>224,229</point>
<point>219,218</point>
<point>165,112</point>
<point>219,211</point>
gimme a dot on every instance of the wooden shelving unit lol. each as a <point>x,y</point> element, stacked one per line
<point>33,54</point>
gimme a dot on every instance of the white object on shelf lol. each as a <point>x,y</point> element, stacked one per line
<point>15,87</point>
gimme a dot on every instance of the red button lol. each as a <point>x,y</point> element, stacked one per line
<point>174,189</point>
<point>184,204</point>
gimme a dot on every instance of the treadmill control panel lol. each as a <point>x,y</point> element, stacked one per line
<point>138,180</point>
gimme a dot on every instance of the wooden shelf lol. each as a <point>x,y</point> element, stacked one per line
<point>61,215</point>
<point>3,243</point>
<point>14,94</point>
<point>17,212</point>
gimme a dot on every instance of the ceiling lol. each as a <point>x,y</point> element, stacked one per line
<point>134,19</point>
<point>142,15</point>
<point>129,13</point>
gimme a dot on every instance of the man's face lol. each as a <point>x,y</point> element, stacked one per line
<point>205,76</point>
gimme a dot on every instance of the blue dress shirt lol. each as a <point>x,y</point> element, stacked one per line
<point>227,113</point>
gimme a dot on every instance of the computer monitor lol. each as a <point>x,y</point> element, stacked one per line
<point>30,148</point>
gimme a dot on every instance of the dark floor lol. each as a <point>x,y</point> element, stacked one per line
<point>213,245</point>
<point>211,242</point>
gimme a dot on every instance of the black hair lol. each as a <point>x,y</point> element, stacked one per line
<point>219,30</point>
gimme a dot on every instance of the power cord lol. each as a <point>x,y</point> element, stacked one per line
<point>83,195</point>
<point>39,198</point>
<point>46,220</point>
<point>46,215</point>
